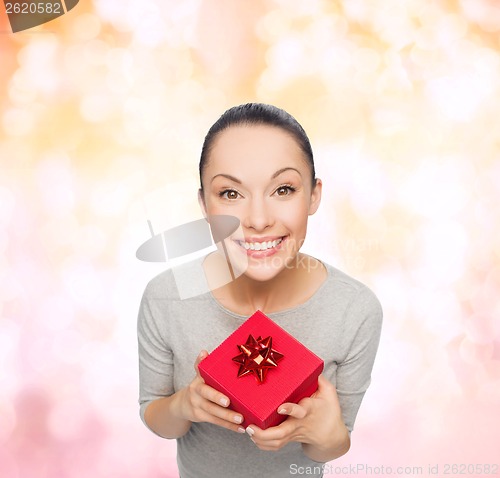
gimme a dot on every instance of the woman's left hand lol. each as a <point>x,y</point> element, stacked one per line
<point>315,420</point>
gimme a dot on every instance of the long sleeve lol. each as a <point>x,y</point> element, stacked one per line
<point>156,369</point>
<point>363,322</point>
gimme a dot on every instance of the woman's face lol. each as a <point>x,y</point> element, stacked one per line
<point>258,174</point>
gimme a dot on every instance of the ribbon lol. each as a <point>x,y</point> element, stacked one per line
<point>257,357</point>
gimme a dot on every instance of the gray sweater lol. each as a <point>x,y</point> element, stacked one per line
<point>341,323</point>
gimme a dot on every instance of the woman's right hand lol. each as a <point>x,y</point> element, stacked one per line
<point>199,402</point>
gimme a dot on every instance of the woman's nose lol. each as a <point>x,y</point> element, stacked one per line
<point>257,215</point>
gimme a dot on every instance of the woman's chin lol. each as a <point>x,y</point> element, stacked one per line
<point>261,270</point>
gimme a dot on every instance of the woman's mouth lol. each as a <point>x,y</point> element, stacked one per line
<point>262,249</point>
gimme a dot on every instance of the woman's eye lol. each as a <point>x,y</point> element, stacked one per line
<point>285,190</point>
<point>229,194</point>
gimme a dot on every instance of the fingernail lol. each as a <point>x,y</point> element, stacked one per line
<point>223,401</point>
<point>282,411</point>
<point>250,431</point>
<point>241,430</point>
<point>252,440</point>
<point>238,419</point>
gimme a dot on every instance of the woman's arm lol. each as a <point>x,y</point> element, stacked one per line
<point>172,416</point>
<point>322,423</point>
<point>163,417</point>
<point>165,412</point>
<point>329,450</point>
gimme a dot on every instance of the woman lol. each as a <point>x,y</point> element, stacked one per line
<point>257,165</point>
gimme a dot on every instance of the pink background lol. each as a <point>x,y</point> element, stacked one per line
<point>102,116</point>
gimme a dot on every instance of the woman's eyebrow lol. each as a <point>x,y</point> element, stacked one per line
<point>275,175</point>
<point>282,170</point>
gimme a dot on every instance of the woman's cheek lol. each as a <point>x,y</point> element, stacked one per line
<point>294,214</point>
<point>216,207</point>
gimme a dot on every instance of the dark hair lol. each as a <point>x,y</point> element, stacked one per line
<point>258,114</point>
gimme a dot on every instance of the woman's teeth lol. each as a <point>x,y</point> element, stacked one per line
<point>260,246</point>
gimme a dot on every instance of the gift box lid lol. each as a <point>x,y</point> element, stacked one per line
<point>293,371</point>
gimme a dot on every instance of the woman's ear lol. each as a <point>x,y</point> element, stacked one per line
<point>201,202</point>
<point>315,197</point>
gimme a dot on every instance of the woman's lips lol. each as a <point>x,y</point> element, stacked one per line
<point>263,253</point>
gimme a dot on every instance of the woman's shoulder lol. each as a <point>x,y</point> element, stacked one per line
<point>179,282</point>
<point>353,289</point>
<point>356,304</point>
<point>162,286</point>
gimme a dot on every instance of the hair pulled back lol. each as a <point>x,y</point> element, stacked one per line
<point>258,114</point>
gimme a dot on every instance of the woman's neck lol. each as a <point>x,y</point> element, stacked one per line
<point>291,287</point>
<point>268,295</point>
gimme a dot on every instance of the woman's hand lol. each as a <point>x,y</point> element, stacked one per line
<point>316,422</point>
<point>199,402</point>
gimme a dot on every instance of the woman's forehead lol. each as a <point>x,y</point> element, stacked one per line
<point>263,145</point>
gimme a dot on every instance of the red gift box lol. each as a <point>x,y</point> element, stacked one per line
<point>289,378</point>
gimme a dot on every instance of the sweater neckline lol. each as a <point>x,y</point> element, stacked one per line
<point>279,313</point>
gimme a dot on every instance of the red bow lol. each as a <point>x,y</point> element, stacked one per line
<point>257,357</point>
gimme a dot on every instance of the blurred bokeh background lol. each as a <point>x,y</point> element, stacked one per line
<point>102,116</point>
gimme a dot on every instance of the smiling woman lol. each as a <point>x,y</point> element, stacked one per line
<point>257,165</point>
<point>257,172</point>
